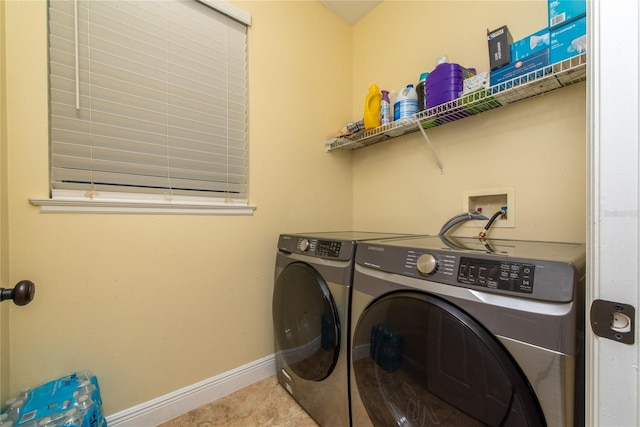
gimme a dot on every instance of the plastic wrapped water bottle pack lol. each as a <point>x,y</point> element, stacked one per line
<point>70,401</point>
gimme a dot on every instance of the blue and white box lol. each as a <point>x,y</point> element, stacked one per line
<point>537,64</point>
<point>529,45</point>
<point>563,11</point>
<point>568,40</point>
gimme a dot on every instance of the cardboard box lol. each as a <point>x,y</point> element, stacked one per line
<point>563,11</point>
<point>538,62</point>
<point>473,83</point>
<point>529,45</point>
<point>499,47</point>
<point>568,40</point>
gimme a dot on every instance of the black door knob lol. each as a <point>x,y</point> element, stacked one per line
<point>22,294</point>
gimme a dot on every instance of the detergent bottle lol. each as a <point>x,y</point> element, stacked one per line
<point>421,90</point>
<point>406,103</point>
<point>372,108</point>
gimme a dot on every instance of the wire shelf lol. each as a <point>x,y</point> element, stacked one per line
<point>534,83</point>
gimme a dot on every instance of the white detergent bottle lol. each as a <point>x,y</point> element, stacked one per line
<point>406,103</point>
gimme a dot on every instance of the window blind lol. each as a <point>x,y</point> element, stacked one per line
<point>147,97</point>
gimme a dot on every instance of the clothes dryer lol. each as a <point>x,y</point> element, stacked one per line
<point>463,332</point>
<point>311,302</point>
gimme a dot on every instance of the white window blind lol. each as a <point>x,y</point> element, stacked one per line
<point>148,99</point>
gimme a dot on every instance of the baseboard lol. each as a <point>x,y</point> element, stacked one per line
<point>169,406</point>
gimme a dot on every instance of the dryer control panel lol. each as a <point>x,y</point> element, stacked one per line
<point>318,248</point>
<point>322,248</point>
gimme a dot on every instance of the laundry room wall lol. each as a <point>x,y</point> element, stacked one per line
<point>154,303</point>
<point>537,146</point>
<point>4,258</point>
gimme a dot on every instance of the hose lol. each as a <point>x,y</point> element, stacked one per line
<point>466,216</point>
<point>495,216</point>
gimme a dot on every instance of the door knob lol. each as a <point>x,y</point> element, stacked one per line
<point>22,294</point>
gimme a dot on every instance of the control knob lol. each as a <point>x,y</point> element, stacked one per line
<point>427,264</point>
<point>304,245</point>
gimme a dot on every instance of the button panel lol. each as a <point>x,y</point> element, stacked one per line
<point>326,248</point>
<point>503,275</point>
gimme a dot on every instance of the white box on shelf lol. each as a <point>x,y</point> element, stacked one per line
<point>473,83</point>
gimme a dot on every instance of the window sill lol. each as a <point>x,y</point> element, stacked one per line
<point>72,205</point>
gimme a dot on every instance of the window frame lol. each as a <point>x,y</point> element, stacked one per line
<point>73,200</point>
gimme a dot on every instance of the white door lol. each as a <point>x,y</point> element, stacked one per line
<point>612,274</point>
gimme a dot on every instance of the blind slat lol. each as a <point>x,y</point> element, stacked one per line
<point>163,98</point>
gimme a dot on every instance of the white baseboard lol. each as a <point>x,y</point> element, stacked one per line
<point>169,406</point>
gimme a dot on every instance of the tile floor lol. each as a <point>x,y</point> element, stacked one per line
<point>263,404</point>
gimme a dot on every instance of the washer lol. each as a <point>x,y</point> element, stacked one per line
<point>463,332</point>
<point>311,303</point>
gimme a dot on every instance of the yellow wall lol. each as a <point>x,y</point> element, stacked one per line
<point>153,303</point>
<point>536,146</point>
<point>4,259</point>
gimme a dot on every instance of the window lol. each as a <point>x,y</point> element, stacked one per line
<point>148,106</point>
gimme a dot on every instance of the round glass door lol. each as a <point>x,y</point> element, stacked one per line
<point>306,322</point>
<point>421,361</point>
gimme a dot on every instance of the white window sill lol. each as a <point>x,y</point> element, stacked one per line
<point>73,205</point>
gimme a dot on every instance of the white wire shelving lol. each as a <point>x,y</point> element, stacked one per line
<point>532,84</point>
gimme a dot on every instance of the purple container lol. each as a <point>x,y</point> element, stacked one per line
<point>450,70</point>
<point>442,76</point>
<point>445,83</point>
<point>435,99</point>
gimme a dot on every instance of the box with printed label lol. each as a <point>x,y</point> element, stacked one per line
<point>473,83</point>
<point>531,44</point>
<point>499,43</point>
<point>537,63</point>
<point>563,11</point>
<point>568,40</point>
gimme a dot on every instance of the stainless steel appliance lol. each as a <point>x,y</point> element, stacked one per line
<point>461,331</point>
<point>311,301</point>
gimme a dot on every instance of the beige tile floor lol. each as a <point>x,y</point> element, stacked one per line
<point>263,404</point>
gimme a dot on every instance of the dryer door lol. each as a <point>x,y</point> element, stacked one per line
<point>306,322</point>
<point>419,360</point>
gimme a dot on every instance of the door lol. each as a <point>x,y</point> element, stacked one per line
<point>306,322</point>
<point>613,240</point>
<point>420,361</point>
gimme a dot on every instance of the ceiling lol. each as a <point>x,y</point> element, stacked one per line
<point>350,10</point>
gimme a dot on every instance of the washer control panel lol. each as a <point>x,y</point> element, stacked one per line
<point>494,272</point>
<point>504,275</point>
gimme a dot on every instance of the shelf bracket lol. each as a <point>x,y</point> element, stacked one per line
<point>433,151</point>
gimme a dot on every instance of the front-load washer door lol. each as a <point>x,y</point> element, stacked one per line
<point>306,322</point>
<point>420,361</point>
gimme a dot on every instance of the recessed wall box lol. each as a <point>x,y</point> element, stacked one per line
<point>489,201</point>
<point>499,47</point>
